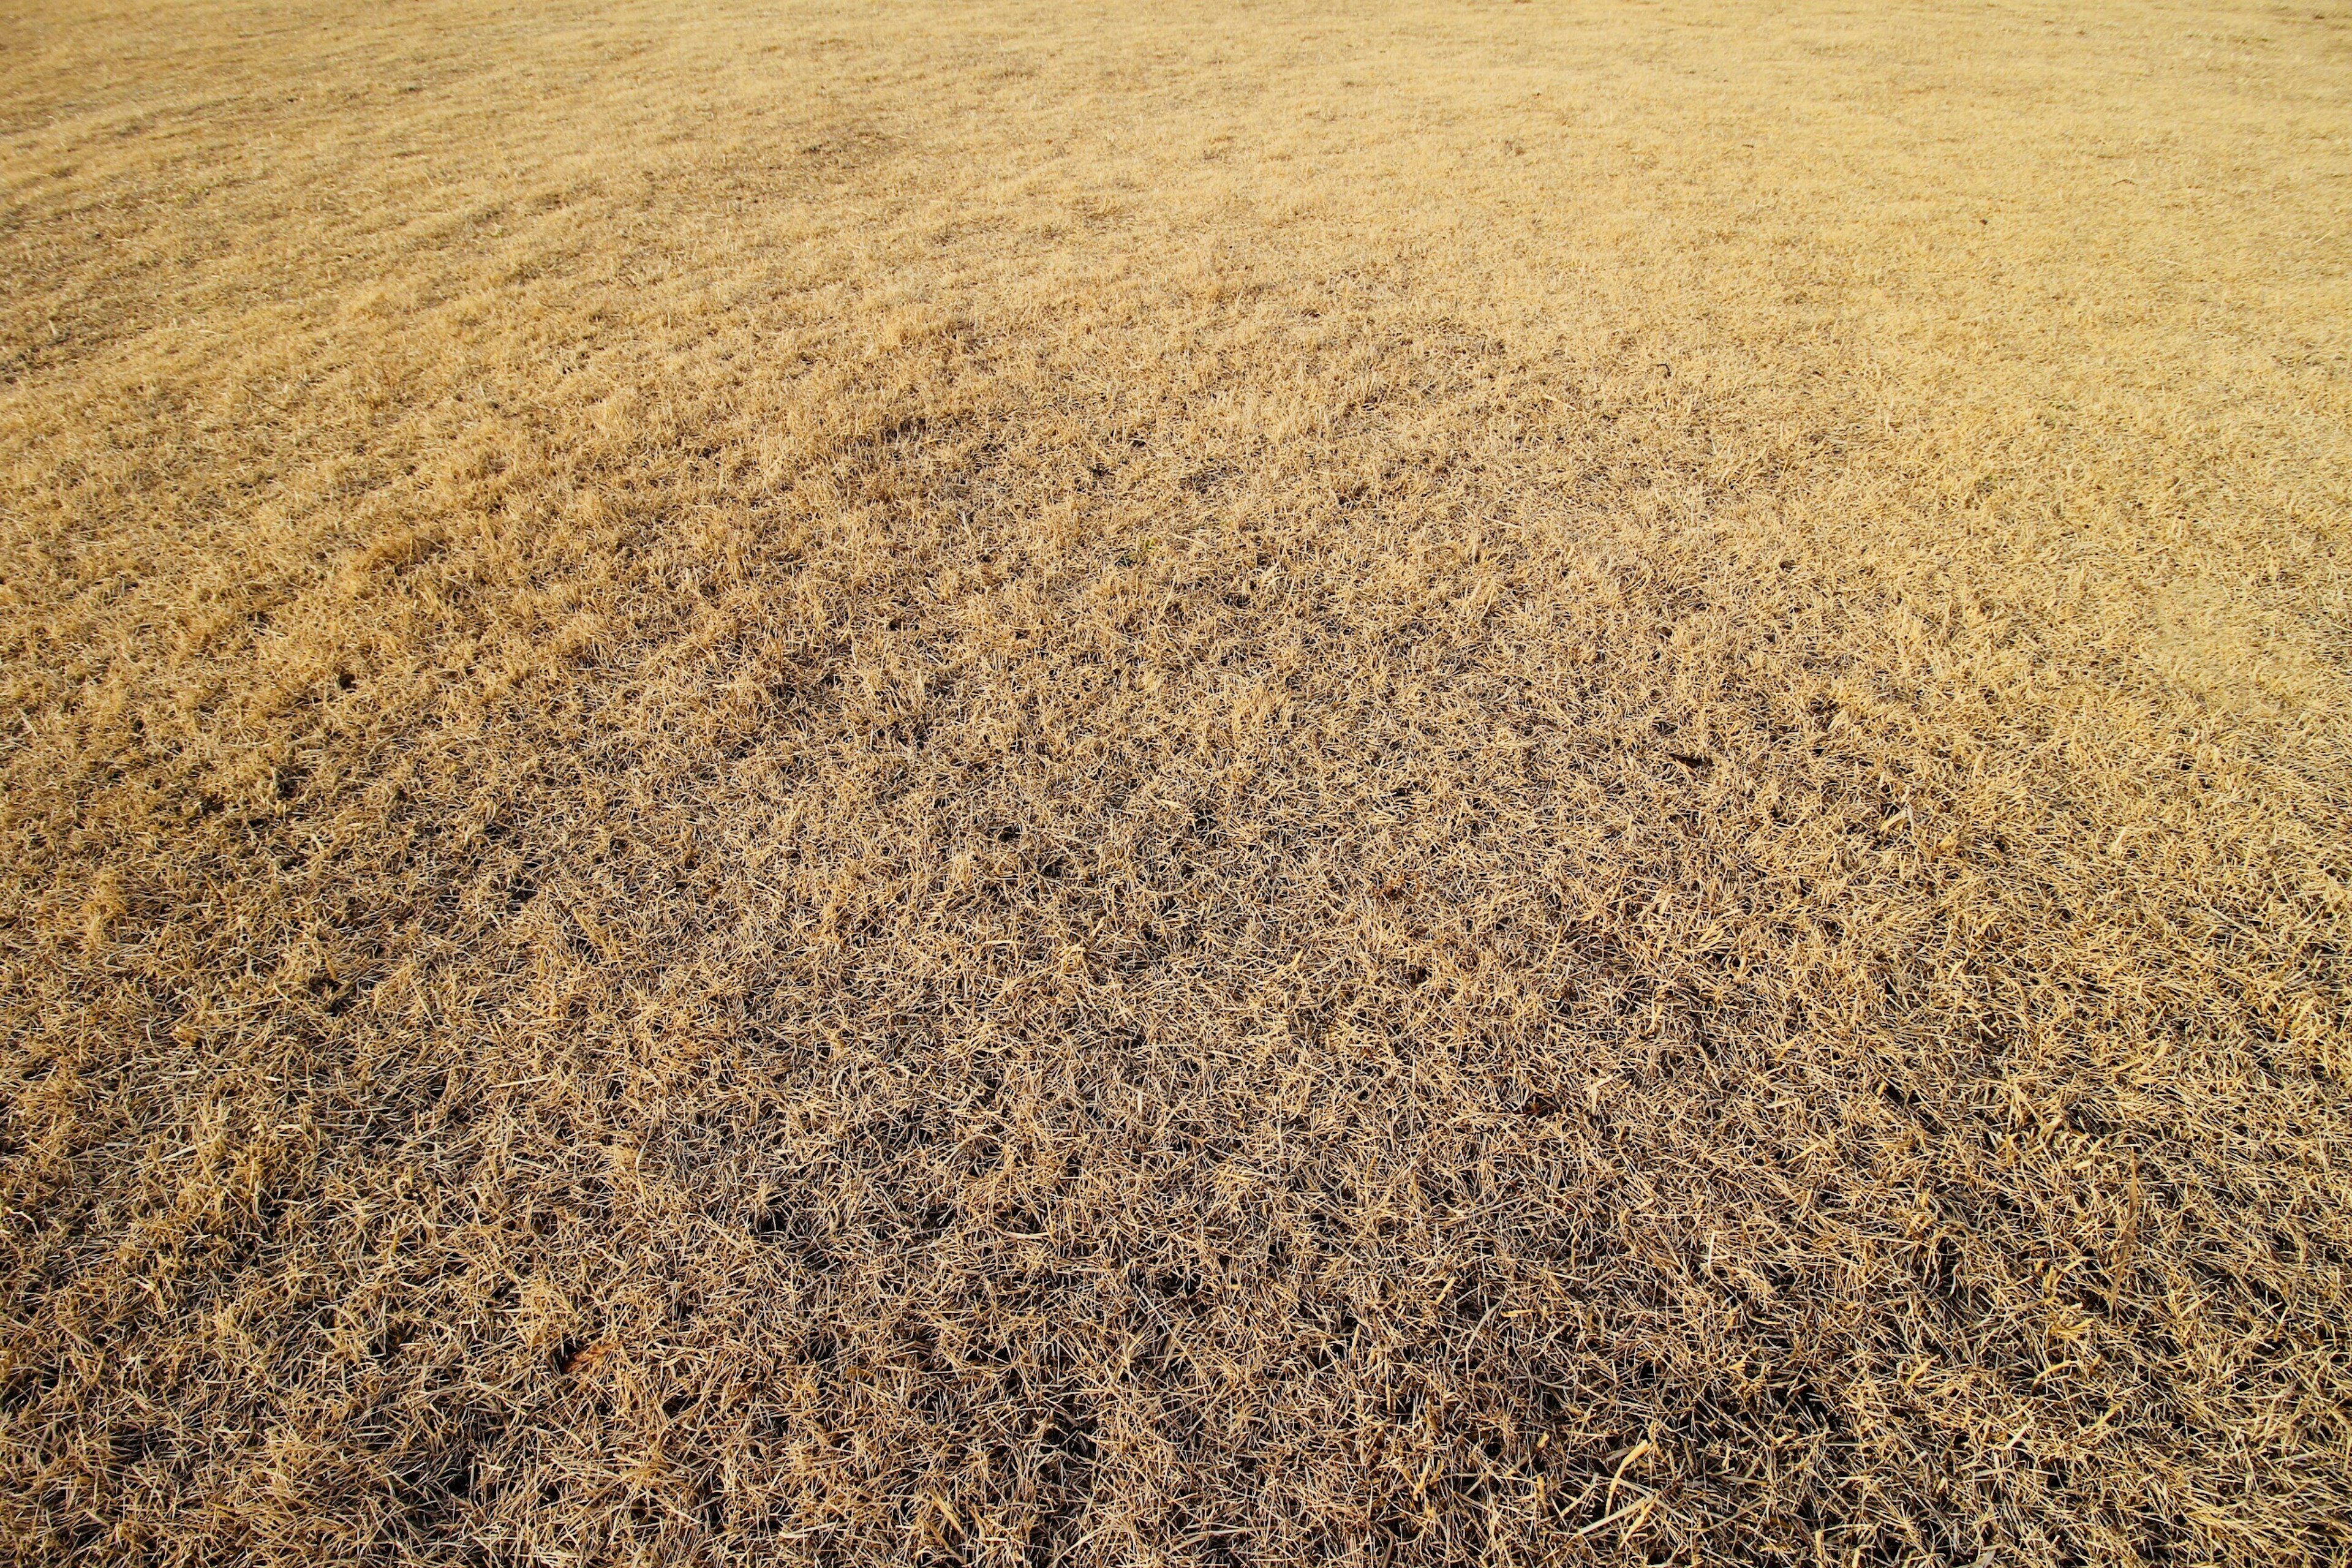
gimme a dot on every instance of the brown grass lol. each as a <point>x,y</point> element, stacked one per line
<point>1028,783</point>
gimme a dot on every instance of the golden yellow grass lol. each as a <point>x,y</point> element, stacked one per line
<point>1022,783</point>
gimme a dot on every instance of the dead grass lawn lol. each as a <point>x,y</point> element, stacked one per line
<point>1018,784</point>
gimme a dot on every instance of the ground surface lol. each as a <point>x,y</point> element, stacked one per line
<point>1156,784</point>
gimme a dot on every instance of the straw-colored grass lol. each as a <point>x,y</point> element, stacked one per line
<point>1022,783</point>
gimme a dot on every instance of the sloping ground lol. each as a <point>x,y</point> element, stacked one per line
<point>1493,783</point>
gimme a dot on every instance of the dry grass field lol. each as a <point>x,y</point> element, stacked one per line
<point>1026,783</point>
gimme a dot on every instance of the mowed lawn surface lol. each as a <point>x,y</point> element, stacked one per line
<point>1024,784</point>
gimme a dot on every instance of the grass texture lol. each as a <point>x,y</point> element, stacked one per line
<point>1020,783</point>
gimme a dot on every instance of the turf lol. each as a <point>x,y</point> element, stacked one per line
<point>1028,783</point>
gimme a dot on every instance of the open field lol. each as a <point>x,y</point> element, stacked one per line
<point>1024,784</point>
